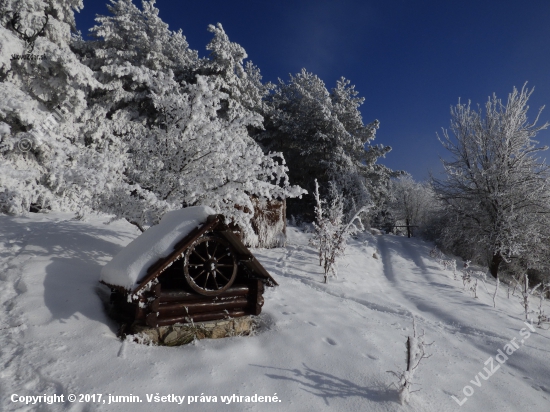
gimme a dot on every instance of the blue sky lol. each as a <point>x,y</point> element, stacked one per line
<point>410,60</point>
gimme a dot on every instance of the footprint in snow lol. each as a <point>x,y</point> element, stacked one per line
<point>21,286</point>
<point>312,324</point>
<point>122,350</point>
<point>331,341</point>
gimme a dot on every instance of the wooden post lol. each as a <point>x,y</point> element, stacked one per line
<point>256,300</point>
<point>408,226</point>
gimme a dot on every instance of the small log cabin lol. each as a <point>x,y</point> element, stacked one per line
<point>189,268</point>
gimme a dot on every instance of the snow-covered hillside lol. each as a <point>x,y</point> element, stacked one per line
<point>321,347</point>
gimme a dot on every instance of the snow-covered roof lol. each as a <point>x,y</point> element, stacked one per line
<point>157,242</point>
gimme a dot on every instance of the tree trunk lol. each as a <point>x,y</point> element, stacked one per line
<point>136,224</point>
<point>495,263</point>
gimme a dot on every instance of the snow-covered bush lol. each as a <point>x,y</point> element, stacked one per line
<point>416,351</point>
<point>473,288</point>
<point>542,317</point>
<point>437,254</point>
<point>331,229</point>
<point>480,274</point>
<point>466,279</point>
<point>449,264</point>
<point>470,279</point>
<point>526,293</point>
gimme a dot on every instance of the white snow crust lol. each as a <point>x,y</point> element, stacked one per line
<point>131,264</point>
<point>320,347</point>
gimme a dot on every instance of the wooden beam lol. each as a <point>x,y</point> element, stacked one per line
<point>157,304</point>
<point>181,295</point>
<point>154,321</point>
<point>191,308</point>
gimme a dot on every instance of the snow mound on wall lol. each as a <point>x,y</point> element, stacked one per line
<point>131,264</point>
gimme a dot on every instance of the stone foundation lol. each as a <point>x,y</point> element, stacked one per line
<point>182,334</point>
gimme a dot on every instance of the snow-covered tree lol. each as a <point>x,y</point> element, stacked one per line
<point>242,82</point>
<point>495,193</point>
<point>180,123</point>
<point>44,88</point>
<point>135,59</point>
<point>134,45</point>
<point>411,202</point>
<point>196,157</point>
<point>322,136</point>
<point>134,55</point>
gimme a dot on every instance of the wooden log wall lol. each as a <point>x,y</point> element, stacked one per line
<point>165,307</point>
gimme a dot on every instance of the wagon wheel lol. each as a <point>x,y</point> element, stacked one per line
<point>210,266</point>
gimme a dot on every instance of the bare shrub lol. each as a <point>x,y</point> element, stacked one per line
<point>415,353</point>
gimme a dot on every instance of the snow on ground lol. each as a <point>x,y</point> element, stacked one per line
<point>321,347</point>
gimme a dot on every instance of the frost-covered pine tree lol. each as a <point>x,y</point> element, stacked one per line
<point>134,45</point>
<point>242,82</point>
<point>179,122</point>
<point>135,58</point>
<point>43,160</point>
<point>196,157</point>
<point>322,136</point>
